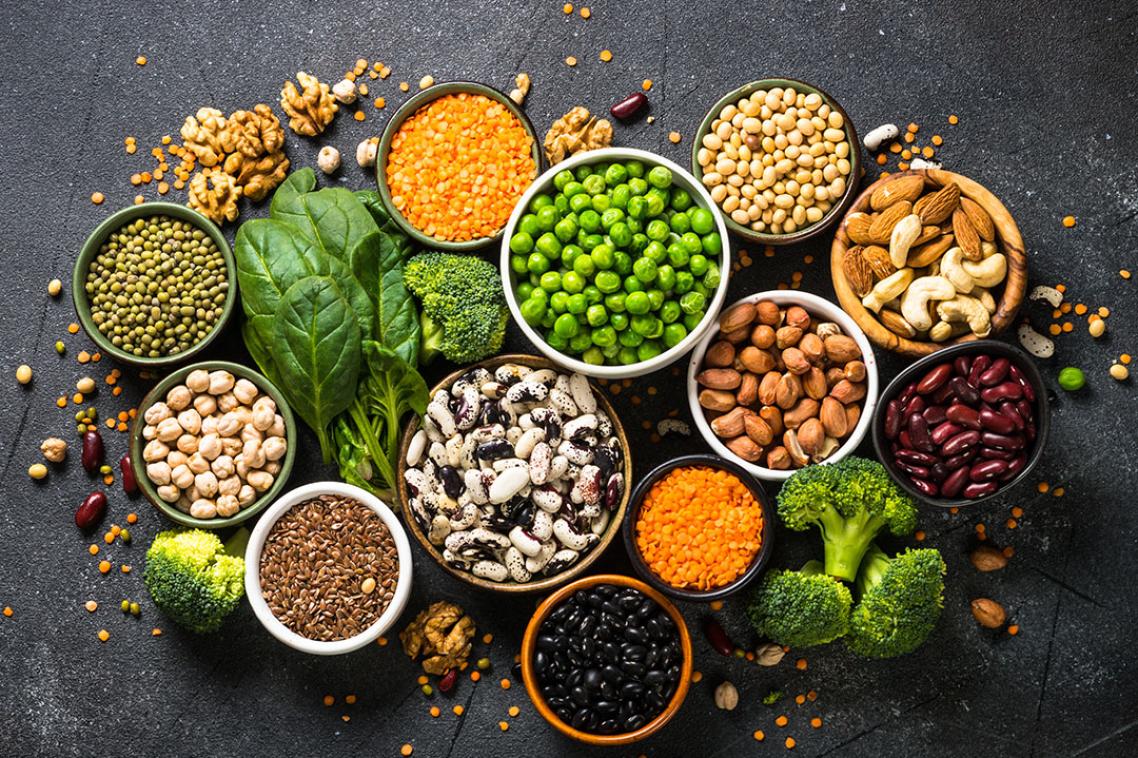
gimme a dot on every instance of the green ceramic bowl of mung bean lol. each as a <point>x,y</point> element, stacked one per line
<point>154,284</point>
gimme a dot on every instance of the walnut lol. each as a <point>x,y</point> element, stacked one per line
<point>442,634</point>
<point>575,132</point>
<point>214,193</point>
<point>207,136</point>
<point>309,110</point>
<point>256,132</point>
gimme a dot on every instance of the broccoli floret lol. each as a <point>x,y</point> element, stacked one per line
<point>191,578</point>
<point>464,311</point>
<point>850,502</point>
<point>801,608</point>
<point>900,601</point>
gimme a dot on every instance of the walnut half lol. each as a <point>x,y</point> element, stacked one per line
<point>214,193</point>
<point>442,634</point>
<point>258,163</point>
<point>575,132</point>
<point>311,108</point>
<point>207,136</point>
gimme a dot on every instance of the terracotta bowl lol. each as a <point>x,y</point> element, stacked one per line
<point>1008,239</point>
<point>546,583</point>
<point>529,642</point>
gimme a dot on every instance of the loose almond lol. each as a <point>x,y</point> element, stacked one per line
<point>878,259</point>
<point>857,227</point>
<point>902,188</point>
<point>979,218</point>
<point>857,271</point>
<point>897,324</point>
<point>882,227</point>
<point>930,252</point>
<point>987,558</point>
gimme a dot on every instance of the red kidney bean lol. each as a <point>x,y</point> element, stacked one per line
<point>979,365</point>
<point>938,472</point>
<point>1029,431</point>
<point>962,365</point>
<point>917,471</point>
<point>1025,410</point>
<point>893,419</point>
<point>961,461</point>
<point>961,442</point>
<point>934,379</point>
<point>129,485</point>
<point>943,395</point>
<point>916,457</point>
<point>903,439</point>
<point>1007,408</point>
<point>91,510</point>
<point>629,106</point>
<point>1017,375</point>
<point>926,488</point>
<point>944,431</point>
<point>980,489</point>
<point>995,373</point>
<point>717,637</point>
<point>934,414</point>
<point>907,393</point>
<point>92,456</point>
<point>996,422</point>
<point>446,684</point>
<point>1015,465</point>
<point>919,434</point>
<point>995,452</point>
<point>955,482</point>
<point>1005,391</point>
<point>985,471</point>
<point>1006,441</point>
<point>963,391</point>
<point>916,405</point>
<point>963,415</point>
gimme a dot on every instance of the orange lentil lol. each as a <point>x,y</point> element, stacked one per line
<point>131,149</point>
<point>503,725</point>
<point>435,711</point>
<point>938,140</point>
<point>758,735</point>
<point>1103,311</point>
<point>1068,221</point>
<point>407,749</point>
<point>696,676</point>
<point>77,398</point>
<point>912,128</point>
<point>93,550</point>
<point>567,8</point>
<point>909,138</point>
<point>605,56</point>
<point>458,709</point>
<point>980,528</point>
<point>474,147</point>
<point>782,721</point>
<point>110,423</point>
<point>139,199</point>
<point>1068,327</point>
<point>811,696</point>
<point>155,632</point>
<point>646,85</point>
<point>927,151</point>
<point>345,718</point>
<point>514,710</point>
<point>954,119</point>
<point>380,102</point>
<point>382,642</point>
<point>73,328</point>
<point>140,60</point>
<point>906,154</point>
<point>505,684</point>
<point>104,635</point>
<point>816,722</point>
<point>329,701</point>
<point>1017,511</point>
<point>1080,309</point>
<point>699,528</point>
<point>1055,330</point>
<point>1057,313</point>
<point>116,391</point>
<point>97,198</point>
<point>1013,630</point>
<point>108,538</point>
<point>1009,551</point>
<point>359,116</point>
<point>1011,523</point>
<point>920,535</point>
<point>800,699</point>
<point>475,676</point>
<point>487,638</point>
<point>716,605</point>
<point>801,664</point>
<point>1125,358</point>
<point>1124,273</point>
<point>1065,308</point>
<point>790,743</point>
<point>1058,492</point>
<point>585,12</point>
<point>675,137</point>
<point>8,611</point>
<point>125,569</point>
<point>882,159</point>
<point>954,510</point>
<point>91,606</point>
<point>423,679</point>
<point>895,147</point>
<point>1043,487</point>
<point>350,699</point>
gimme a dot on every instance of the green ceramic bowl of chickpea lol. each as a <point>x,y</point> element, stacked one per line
<point>137,443</point>
<point>839,205</point>
<point>91,249</point>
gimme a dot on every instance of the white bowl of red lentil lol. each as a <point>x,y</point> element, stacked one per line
<point>297,568</point>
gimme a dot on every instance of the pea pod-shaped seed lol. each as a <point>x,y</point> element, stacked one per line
<point>129,485</point>
<point>934,379</point>
<point>91,510</point>
<point>93,452</point>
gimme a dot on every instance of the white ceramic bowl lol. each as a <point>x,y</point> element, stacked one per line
<point>817,307</point>
<point>253,569</point>
<point>681,178</point>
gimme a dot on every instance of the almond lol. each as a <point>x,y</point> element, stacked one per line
<point>936,207</point>
<point>768,313</point>
<point>967,238</point>
<point>847,392</point>
<point>773,417</point>
<point>979,218</point>
<point>833,417</point>
<point>745,448</point>
<point>897,324</point>
<point>805,408</point>
<point>767,387</point>
<point>787,391</point>
<point>787,336</point>
<point>721,354</point>
<point>716,400</point>
<point>778,458</point>
<point>795,361</point>
<point>730,424</point>
<point>857,227</point>
<point>748,391</point>
<point>988,613</point>
<point>719,378</point>
<point>857,271</point>
<point>878,259</point>
<point>812,347</point>
<point>926,254</point>
<point>762,336</point>
<point>811,435</point>
<point>882,227</point>
<point>758,430</point>
<point>908,187</point>
<point>987,558</point>
<point>737,318</point>
<point>756,361</point>
<point>928,234</point>
<point>841,349</point>
<point>814,383</point>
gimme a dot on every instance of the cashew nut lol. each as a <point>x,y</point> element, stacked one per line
<point>951,269</point>
<point>904,234</point>
<point>969,310</point>
<point>988,272</point>
<point>915,301</point>
<point>887,289</point>
<point>941,331</point>
<point>985,298</point>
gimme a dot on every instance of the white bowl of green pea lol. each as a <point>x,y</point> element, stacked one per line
<point>615,263</point>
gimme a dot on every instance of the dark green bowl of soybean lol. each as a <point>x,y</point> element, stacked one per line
<point>91,248</point>
<point>138,465</point>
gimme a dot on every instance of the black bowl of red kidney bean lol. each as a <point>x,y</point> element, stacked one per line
<point>963,424</point>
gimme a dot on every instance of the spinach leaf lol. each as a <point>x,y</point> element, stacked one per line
<point>371,201</point>
<point>316,349</point>
<point>257,331</point>
<point>377,265</point>
<point>331,218</point>
<point>286,197</point>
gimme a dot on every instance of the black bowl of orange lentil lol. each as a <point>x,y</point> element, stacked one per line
<point>699,528</point>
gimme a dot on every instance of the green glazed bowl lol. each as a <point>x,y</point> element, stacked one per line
<point>837,211</point>
<point>406,111</point>
<point>91,249</point>
<point>138,465</point>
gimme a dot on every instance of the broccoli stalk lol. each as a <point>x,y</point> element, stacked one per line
<point>900,600</point>
<point>850,502</point>
<point>801,608</point>
<point>192,579</point>
<point>464,311</point>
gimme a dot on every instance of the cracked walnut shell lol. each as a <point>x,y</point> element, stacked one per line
<point>206,134</point>
<point>442,634</point>
<point>309,109</point>
<point>214,194</point>
<point>575,132</point>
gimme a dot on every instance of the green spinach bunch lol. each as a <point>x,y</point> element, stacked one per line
<point>330,322</point>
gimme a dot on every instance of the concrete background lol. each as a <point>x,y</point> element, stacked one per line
<point>1046,98</point>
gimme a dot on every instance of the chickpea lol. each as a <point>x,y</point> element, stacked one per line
<point>242,467</point>
<point>246,495</point>
<point>204,509</point>
<point>206,483</point>
<point>158,472</point>
<point>205,405</point>
<point>263,417</point>
<point>182,476</point>
<point>197,463</point>
<point>149,432</point>
<point>155,450</point>
<point>169,430</point>
<point>54,449</point>
<point>222,467</point>
<point>157,413</point>
<point>227,402</point>
<point>245,391</point>
<point>278,427</point>
<point>176,458</point>
<point>220,382</point>
<point>209,447</point>
<point>256,460</point>
<point>250,432</point>
<point>169,493</point>
<point>190,420</point>
<point>230,485</point>
<point>227,505</point>
<point>179,397</point>
<point>209,425</point>
<point>244,414</point>
<point>188,443</point>
<point>230,445</point>
<point>198,380</point>
<point>260,480</point>
<point>272,467</point>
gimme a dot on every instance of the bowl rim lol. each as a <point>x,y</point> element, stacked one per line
<point>1020,359</point>
<point>814,304</point>
<point>511,587</point>
<point>667,357</point>
<point>1012,246</point>
<point>758,562</point>
<point>530,679</point>
<point>839,208</point>
<point>434,92</point>
<point>253,564</point>
<point>158,392</point>
<point>91,248</point>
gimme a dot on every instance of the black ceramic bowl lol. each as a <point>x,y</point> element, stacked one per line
<point>913,373</point>
<point>758,563</point>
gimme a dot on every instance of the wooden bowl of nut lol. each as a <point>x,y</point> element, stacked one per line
<point>928,258</point>
<point>781,159</point>
<point>518,477</point>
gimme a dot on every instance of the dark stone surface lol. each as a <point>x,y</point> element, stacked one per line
<point>1047,105</point>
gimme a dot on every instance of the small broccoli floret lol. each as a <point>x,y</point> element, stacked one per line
<point>464,311</point>
<point>192,580</point>
<point>900,602</point>
<point>801,608</point>
<point>850,502</point>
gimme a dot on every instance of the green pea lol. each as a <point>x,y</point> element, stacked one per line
<point>547,218</point>
<point>691,320</point>
<point>572,282</point>
<point>638,303</point>
<point>634,226</point>
<point>582,173</point>
<point>627,356</point>
<point>637,207</point>
<point>566,326</point>
<point>592,240</point>
<point>655,203</point>
<point>692,243</point>
<point>611,352</point>
<point>629,338</point>
<point>561,203</point>
<point>656,298</point>
<point>582,342</point>
<point>610,217</point>
<point>666,278</point>
<point>559,302</point>
<point>518,265</point>
<point>579,203</point>
<point>617,302</point>
<point>680,223</point>
<point>562,178</point>
<point>548,319</point>
<point>702,222</point>
<point>618,321</point>
<point>533,311</point>
<point>601,203</point>
<point>634,168</point>
<point>660,177</point>
<point>596,315</point>
<point>556,341</point>
<point>526,290</point>
<point>592,294</point>
<point>648,350</point>
<point>681,199</point>
<point>603,257</point>
<point>620,196</point>
<point>589,220</point>
<point>693,302</point>
<point>593,356</point>
<point>616,174</point>
<point>670,312</point>
<point>632,284</point>
<point>645,270</point>
<point>569,255</point>
<point>647,326</point>
<point>578,303</point>
<point>551,281</point>
<point>573,188</point>
<point>1072,379</point>
<point>620,234</point>
<point>607,281</point>
<point>539,202</point>
<point>566,229</point>
<point>674,334</point>
<point>698,264</point>
<point>639,241</point>
<point>604,336</point>
<point>655,252</point>
<point>537,263</point>
<point>678,254</point>
<point>594,184</point>
<point>657,230</point>
<point>521,243</point>
<point>549,244</point>
<point>711,278</point>
<point>637,186</point>
<point>622,263</point>
<point>583,265</point>
<point>712,244</point>
<point>528,225</point>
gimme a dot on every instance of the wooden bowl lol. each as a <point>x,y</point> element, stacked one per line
<point>1008,238</point>
<point>529,642</point>
<point>546,583</point>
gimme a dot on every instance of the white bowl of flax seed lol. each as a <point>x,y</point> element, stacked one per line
<point>328,568</point>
